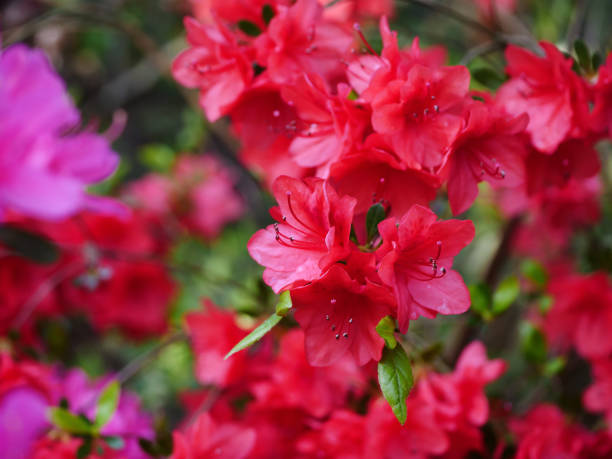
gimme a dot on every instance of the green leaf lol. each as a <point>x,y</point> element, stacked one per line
<point>582,52</point>
<point>375,215</point>
<point>29,245</point>
<point>107,404</point>
<point>535,272</point>
<point>267,13</point>
<point>487,77</point>
<point>249,28</point>
<point>386,329</point>
<point>85,448</point>
<point>157,156</point>
<point>284,304</point>
<point>68,422</point>
<point>163,437</point>
<point>395,379</point>
<point>554,366</point>
<point>533,343</point>
<point>352,95</point>
<point>545,303</point>
<point>114,442</point>
<point>506,293</point>
<point>480,295</point>
<point>256,334</point>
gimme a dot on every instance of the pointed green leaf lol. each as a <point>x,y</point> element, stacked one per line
<point>267,13</point>
<point>284,304</point>
<point>386,329</point>
<point>596,61</point>
<point>27,244</point>
<point>68,422</point>
<point>248,27</point>
<point>256,334</point>
<point>375,215</point>
<point>107,404</point>
<point>487,77</point>
<point>149,447</point>
<point>395,379</point>
<point>505,294</point>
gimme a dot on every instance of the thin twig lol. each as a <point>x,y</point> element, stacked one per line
<point>134,366</point>
<point>480,50</point>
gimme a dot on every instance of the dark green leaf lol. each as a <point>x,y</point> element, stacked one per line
<point>249,28</point>
<point>535,272</point>
<point>596,61</point>
<point>506,293</point>
<point>352,95</point>
<point>386,329</point>
<point>395,379</point>
<point>487,77</point>
<point>114,442</point>
<point>284,304</point>
<point>480,294</point>
<point>256,334</point>
<point>267,13</point>
<point>148,447</point>
<point>107,404</point>
<point>68,422</point>
<point>29,245</point>
<point>85,449</point>
<point>583,55</point>
<point>375,215</point>
<point>545,303</point>
<point>163,437</point>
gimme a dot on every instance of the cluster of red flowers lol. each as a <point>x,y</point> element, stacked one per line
<point>296,410</point>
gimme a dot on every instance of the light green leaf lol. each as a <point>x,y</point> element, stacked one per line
<point>284,304</point>
<point>480,295</point>
<point>68,422</point>
<point>386,329</point>
<point>505,295</point>
<point>535,272</point>
<point>107,404</point>
<point>256,334</point>
<point>395,379</point>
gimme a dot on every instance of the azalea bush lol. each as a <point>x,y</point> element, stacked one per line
<point>305,228</point>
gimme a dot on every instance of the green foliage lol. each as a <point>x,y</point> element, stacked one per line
<point>256,334</point>
<point>157,156</point>
<point>267,13</point>
<point>284,304</point>
<point>395,380</point>
<point>68,422</point>
<point>249,28</point>
<point>386,329</point>
<point>506,293</point>
<point>481,297</point>
<point>533,343</point>
<point>107,404</point>
<point>535,272</point>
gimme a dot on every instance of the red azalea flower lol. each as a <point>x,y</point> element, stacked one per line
<point>265,125</point>
<point>581,314</point>
<point>339,314</point>
<point>374,175</point>
<point>215,64</point>
<point>417,113</point>
<point>487,148</point>
<point>214,332</point>
<point>67,448</point>
<point>419,438</point>
<point>312,232</point>
<point>134,297</point>
<point>299,40</point>
<point>547,90</point>
<point>207,438</point>
<point>598,397</point>
<point>574,158</point>
<point>341,436</point>
<point>292,382</point>
<point>327,126</point>
<point>601,116</point>
<point>417,254</point>
<point>544,433</point>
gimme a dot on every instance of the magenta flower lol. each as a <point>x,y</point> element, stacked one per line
<point>44,164</point>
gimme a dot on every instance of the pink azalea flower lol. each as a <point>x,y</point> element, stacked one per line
<point>44,172</point>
